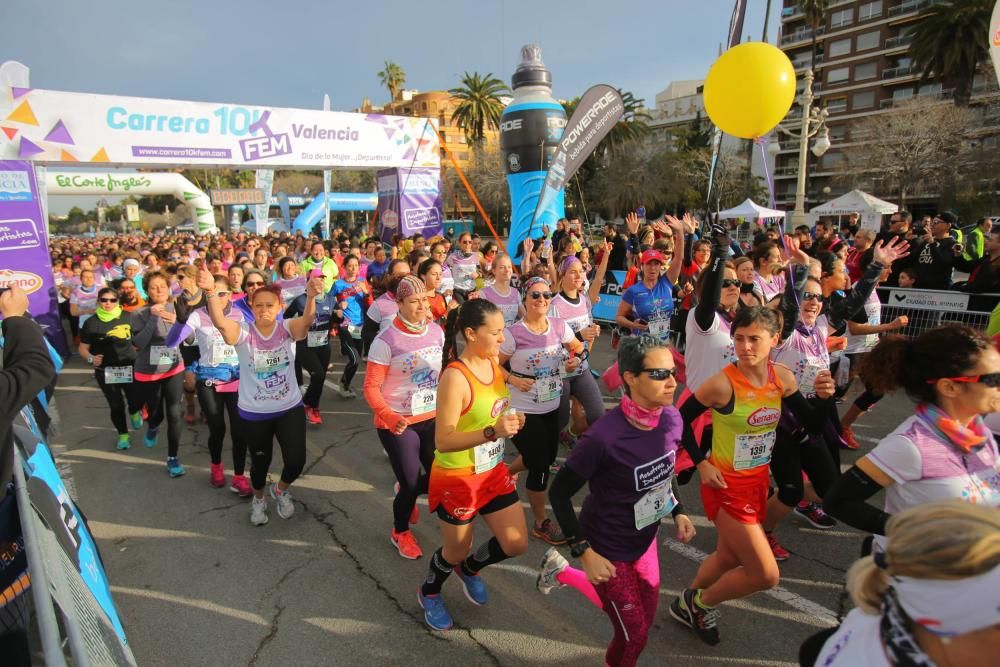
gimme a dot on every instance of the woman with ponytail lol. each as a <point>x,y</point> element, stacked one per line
<point>468,476</point>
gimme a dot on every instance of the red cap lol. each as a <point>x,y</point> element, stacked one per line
<point>227,246</point>
<point>652,256</point>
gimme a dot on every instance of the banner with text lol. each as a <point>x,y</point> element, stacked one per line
<point>24,248</point>
<point>597,113</point>
<point>409,201</point>
<point>72,128</point>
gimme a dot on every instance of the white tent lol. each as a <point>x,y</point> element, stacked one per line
<point>854,201</point>
<point>750,211</point>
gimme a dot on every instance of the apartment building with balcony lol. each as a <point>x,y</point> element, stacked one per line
<point>862,67</point>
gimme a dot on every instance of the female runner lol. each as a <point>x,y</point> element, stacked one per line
<point>746,399</point>
<point>464,265</point>
<point>430,271</point>
<point>312,354</point>
<point>159,369</point>
<point>468,476</point>
<point>106,344</point>
<point>401,381</point>
<point>351,293</point>
<point>268,399</point>
<point>628,457</point>
<point>502,293</point>
<point>217,374</point>
<point>536,348</point>
<point>190,299</point>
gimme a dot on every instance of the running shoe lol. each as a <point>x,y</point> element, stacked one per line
<point>240,485</point>
<point>703,620</point>
<point>815,515</point>
<point>150,437</point>
<point>344,392</point>
<point>174,467</point>
<point>548,533</point>
<point>136,420</point>
<point>474,587</point>
<point>216,475</point>
<point>283,501</point>
<point>313,416</point>
<point>144,412</point>
<point>554,468</point>
<point>258,511</point>
<point>406,544</point>
<point>123,442</point>
<point>780,553</point>
<point>189,418</point>
<point>415,514</point>
<point>553,563</point>
<point>847,435</point>
<point>435,613</point>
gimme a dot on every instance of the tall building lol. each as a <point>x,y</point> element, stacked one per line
<point>862,67</point>
<point>439,105</point>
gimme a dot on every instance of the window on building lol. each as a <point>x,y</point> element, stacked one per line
<point>870,10</point>
<point>838,133</point>
<point>902,94</point>
<point>841,17</point>
<point>836,104</point>
<point>868,40</point>
<point>840,47</point>
<point>833,159</point>
<point>864,71</point>
<point>442,121</point>
<point>930,89</point>
<point>865,100</point>
<point>838,74</point>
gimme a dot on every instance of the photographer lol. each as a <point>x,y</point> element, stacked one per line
<point>936,252</point>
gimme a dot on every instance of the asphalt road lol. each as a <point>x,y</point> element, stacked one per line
<point>196,584</point>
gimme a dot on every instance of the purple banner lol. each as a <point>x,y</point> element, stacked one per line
<point>409,201</point>
<point>24,248</point>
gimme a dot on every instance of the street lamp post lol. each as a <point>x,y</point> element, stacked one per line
<point>813,121</point>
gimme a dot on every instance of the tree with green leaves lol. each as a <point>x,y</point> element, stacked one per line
<point>951,41</point>
<point>815,11</point>
<point>480,107</point>
<point>392,77</point>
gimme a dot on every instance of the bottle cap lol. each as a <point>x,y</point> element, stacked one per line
<point>531,71</point>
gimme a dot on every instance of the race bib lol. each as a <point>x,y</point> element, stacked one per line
<point>753,450</point>
<point>317,338</point>
<point>162,356</point>
<point>117,375</point>
<point>807,384</point>
<point>659,328</point>
<point>653,506</point>
<point>224,355</point>
<point>354,330</point>
<point>548,386</point>
<point>269,361</point>
<point>488,455</point>
<point>423,401</point>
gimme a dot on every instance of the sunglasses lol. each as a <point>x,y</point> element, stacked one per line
<point>989,379</point>
<point>659,373</point>
<point>255,284</point>
<point>223,294</point>
<point>541,295</point>
<point>730,282</point>
<point>811,296</point>
<point>109,300</point>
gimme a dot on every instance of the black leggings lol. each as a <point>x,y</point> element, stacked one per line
<point>215,405</point>
<point>290,430</point>
<point>411,454</point>
<point>117,396</point>
<point>538,443</point>
<point>163,399</point>
<point>350,347</point>
<point>795,453</point>
<point>314,361</point>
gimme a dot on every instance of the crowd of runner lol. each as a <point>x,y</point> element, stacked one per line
<point>466,351</point>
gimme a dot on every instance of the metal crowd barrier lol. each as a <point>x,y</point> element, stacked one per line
<point>927,309</point>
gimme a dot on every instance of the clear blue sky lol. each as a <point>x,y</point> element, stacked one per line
<point>289,53</point>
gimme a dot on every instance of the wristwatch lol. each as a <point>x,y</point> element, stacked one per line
<point>90,360</point>
<point>490,433</point>
<point>576,550</point>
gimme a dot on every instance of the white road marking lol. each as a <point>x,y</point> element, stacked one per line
<point>793,600</point>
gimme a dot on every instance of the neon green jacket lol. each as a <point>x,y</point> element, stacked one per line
<point>327,266</point>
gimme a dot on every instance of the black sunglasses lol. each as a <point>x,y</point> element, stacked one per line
<point>104,300</point>
<point>255,284</point>
<point>659,373</point>
<point>811,296</point>
<point>989,379</point>
<point>541,295</point>
<point>730,282</point>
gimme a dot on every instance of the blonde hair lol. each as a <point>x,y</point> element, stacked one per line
<point>945,540</point>
<point>187,271</point>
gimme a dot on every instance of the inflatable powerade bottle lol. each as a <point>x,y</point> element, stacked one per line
<point>530,129</point>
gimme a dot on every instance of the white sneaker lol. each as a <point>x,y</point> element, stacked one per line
<point>283,502</point>
<point>343,392</point>
<point>552,564</point>
<point>258,511</point>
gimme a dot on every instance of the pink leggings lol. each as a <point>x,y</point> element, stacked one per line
<point>629,599</point>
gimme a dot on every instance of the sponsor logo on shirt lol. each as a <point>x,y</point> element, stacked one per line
<point>765,416</point>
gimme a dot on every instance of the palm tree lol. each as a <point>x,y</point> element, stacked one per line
<point>392,77</point>
<point>480,106</point>
<point>815,11</point>
<point>951,41</point>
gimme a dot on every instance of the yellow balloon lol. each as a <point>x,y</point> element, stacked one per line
<point>749,89</point>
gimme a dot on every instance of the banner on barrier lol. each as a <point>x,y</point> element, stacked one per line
<point>72,128</point>
<point>928,300</point>
<point>611,296</point>
<point>24,248</point>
